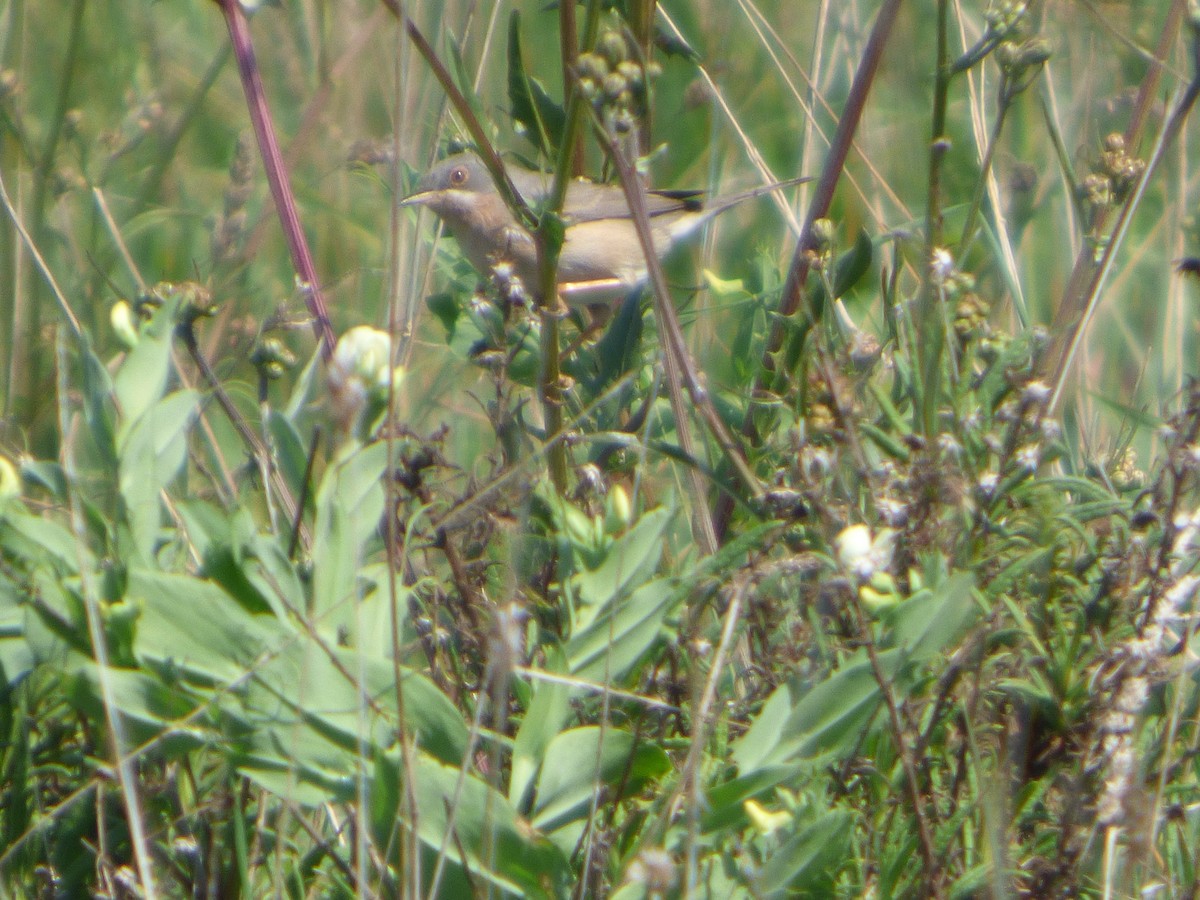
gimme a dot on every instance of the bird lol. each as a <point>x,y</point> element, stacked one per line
<point>601,260</point>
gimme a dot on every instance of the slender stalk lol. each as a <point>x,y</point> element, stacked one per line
<point>254,444</point>
<point>195,105</point>
<point>989,153</point>
<point>28,366</point>
<point>931,886</point>
<point>674,349</point>
<point>1074,339</point>
<point>690,777</point>
<point>281,189</point>
<point>549,244</point>
<point>930,335</point>
<point>126,776</point>
<point>835,162</point>
<point>1085,278</point>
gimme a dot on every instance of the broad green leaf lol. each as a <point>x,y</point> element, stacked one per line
<point>349,507</point>
<point>723,804</point>
<point>282,680</point>
<point>371,630</point>
<point>40,542</point>
<point>546,716</point>
<point>804,864</point>
<point>142,378</point>
<point>445,309</point>
<point>191,627</point>
<point>539,117</point>
<point>631,559</point>
<point>578,761</point>
<point>616,353</point>
<point>307,383</point>
<point>466,815</point>
<point>252,567</point>
<point>47,475</point>
<point>290,453</point>
<point>152,453</point>
<point>853,264</point>
<point>97,388</point>
<point>926,625</point>
<point>16,656</point>
<point>305,788</point>
<point>150,709</point>
<point>830,716</point>
<point>623,631</point>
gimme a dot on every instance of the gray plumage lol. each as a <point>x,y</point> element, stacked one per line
<point>601,257</point>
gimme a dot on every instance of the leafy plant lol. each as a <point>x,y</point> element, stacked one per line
<point>507,601</point>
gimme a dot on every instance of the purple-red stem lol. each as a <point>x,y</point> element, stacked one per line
<point>835,162</point>
<point>281,189</point>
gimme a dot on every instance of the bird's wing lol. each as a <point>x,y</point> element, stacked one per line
<point>587,202</point>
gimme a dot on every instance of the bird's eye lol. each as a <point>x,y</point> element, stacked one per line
<point>458,176</point>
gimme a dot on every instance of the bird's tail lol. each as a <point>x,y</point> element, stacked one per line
<point>719,204</point>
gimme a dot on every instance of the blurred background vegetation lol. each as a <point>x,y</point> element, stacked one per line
<point>934,657</point>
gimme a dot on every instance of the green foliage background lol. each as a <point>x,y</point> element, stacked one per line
<point>255,640</point>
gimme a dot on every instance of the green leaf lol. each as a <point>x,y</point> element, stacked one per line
<point>582,758</point>
<point>253,568</point>
<point>544,121</point>
<point>39,542</point>
<point>152,453</point>
<point>832,715</point>
<point>630,559</point>
<point>310,381</point>
<point>617,351</point>
<point>142,378</point>
<point>16,656</point>
<point>285,682</point>
<point>804,864</point>
<point>349,507</point>
<point>290,452</point>
<point>547,715</point>
<point>723,803</point>
<point>848,270</point>
<point>97,388</point>
<point>926,624</point>
<point>466,816</point>
<point>150,709</point>
<point>47,475</point>
<point>617,638</point>
<point>852,265</point>
<point>445,309</point>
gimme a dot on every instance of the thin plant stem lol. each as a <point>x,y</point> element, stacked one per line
<point>122,762</point>
<point>985,168</point>
<point>931,882</point>
<point>1084,281</point>
<point>835,161</point>
<point>1112,246</point>
<point>930,334</point>
<point>675,348</point>
<point>281,189</point>
<point>690,776</point>
<point>547,237</point>
<point>252,441</point>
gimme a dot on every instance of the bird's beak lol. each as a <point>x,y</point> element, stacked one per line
<point>419,198</point>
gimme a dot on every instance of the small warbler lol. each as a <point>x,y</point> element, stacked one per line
<point>601,259</point>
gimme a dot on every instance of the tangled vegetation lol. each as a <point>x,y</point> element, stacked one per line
<point>859,561</point>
